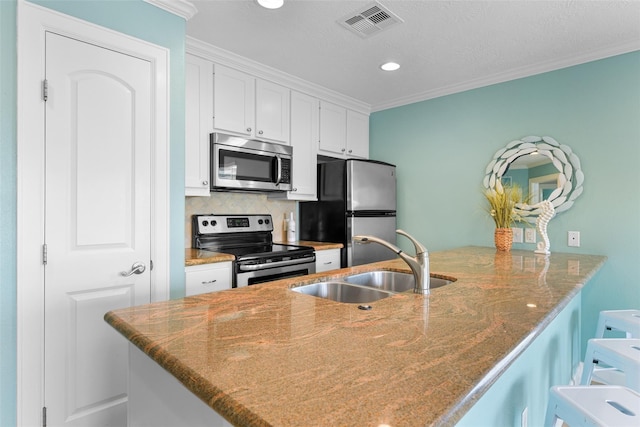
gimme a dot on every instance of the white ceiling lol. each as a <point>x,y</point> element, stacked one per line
<point>443,46</point>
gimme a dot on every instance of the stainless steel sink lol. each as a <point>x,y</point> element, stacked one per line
<point>342,292</point>
<point>392,281</point>
<point>366,287</point>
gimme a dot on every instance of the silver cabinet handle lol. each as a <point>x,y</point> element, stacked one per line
<point>248,129</point>
<point>209,282</point>
<point>205,182</point>
<point>136,268</point>
<point>260,132</point>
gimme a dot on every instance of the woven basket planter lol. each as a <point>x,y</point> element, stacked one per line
<point>503,238</point>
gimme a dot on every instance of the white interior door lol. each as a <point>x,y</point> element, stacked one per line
<point>97,208</point>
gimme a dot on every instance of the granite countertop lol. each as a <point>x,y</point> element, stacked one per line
<point>199,257</point>
<point>263,355</point>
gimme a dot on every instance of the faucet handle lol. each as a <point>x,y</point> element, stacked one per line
<point>419,246</point>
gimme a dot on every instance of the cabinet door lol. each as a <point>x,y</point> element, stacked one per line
<point>333,129</point>
<point>357,134</point>
<point>272,112</point>
<point>233,101</point>
<point>304,140</point>
<point>200,279</point>
<point>328,259</point>
<point>198,124</point>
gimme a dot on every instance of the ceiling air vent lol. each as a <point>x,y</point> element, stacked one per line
<point>370,20</point>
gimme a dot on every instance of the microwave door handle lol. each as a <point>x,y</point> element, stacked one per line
<point>278,169</point>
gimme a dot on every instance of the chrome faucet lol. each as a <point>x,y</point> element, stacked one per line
<point>419,264</point>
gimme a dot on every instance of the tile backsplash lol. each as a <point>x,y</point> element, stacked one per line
<point>239,203</point>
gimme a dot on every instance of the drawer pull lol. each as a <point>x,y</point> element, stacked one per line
<point>209,282</point>
<point>328,263</point>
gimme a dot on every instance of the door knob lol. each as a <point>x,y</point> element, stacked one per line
<point>136,268</point>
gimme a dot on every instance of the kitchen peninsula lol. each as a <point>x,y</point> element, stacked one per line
<point>264,355</point>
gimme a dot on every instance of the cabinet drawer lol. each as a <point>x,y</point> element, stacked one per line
<point>327,260</point>
<point>201,279</point>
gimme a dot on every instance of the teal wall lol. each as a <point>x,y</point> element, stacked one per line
<point>8,148</point>
<point>135,18</point>
<point>442,146</point>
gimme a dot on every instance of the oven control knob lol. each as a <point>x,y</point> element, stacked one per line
<point>260,221</point>
<point>266,221</point>
<point>205,223</point>
<point>214,223</point>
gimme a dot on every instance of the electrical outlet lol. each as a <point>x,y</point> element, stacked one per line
<point>530,235</point>
<point>573,239</point>
<point>517,235</point>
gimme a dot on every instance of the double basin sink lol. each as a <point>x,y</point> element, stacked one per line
<point>366,287</point>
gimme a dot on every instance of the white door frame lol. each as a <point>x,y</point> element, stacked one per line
<point>33,21</point>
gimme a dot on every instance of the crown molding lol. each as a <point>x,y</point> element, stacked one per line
<point>182,8</point>
<point>513,74</point>
<point>241,63</point>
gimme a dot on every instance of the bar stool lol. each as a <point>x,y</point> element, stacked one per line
<point>618,354</point>
<point>623,320</point>
<point>604,405</point>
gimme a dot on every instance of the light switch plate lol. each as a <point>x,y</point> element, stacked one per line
<point>530,235</point>
<point>517,235</point>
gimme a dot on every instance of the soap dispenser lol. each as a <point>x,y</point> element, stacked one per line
<point>291,228</point>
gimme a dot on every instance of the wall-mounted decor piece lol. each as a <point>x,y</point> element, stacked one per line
<point>548,171</point>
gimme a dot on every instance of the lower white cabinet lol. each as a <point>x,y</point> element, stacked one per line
<point>328,259</point>
<point>205,278</point>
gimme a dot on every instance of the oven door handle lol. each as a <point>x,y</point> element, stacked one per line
<point>253,267</point>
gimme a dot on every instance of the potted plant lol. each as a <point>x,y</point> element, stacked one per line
<point>502,204</point>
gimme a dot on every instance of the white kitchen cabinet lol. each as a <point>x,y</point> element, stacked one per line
<point>200,279</point>
<point>272,112</point>
<point>328,259</point>
<point>198,124</point>
<point>333,129</point>
<point>247,106</point>
<point>357,134</point>
<point>343,133</point>
<point>304,140</point>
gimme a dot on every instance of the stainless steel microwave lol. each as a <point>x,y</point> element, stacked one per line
<point>246,164</point>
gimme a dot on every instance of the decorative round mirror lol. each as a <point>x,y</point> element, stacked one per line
<point>543,168</point>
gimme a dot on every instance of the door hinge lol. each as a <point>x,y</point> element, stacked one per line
<point>44,254</point>
<point>45,90</point>
<point>44,416</point>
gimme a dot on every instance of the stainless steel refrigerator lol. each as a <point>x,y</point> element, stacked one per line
<point>354,197</point>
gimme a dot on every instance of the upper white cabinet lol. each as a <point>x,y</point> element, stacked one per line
<point>272,111</point>
<point>198,124</point>
<point>357,134</point>
<point>343,132</point>
<point>248,106</point>
<point>305,115</point>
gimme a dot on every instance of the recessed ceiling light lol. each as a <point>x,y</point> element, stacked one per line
<point>271,4</point>
<point>390,66</point>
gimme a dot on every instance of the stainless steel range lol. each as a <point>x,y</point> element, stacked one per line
<point>250,239</point>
